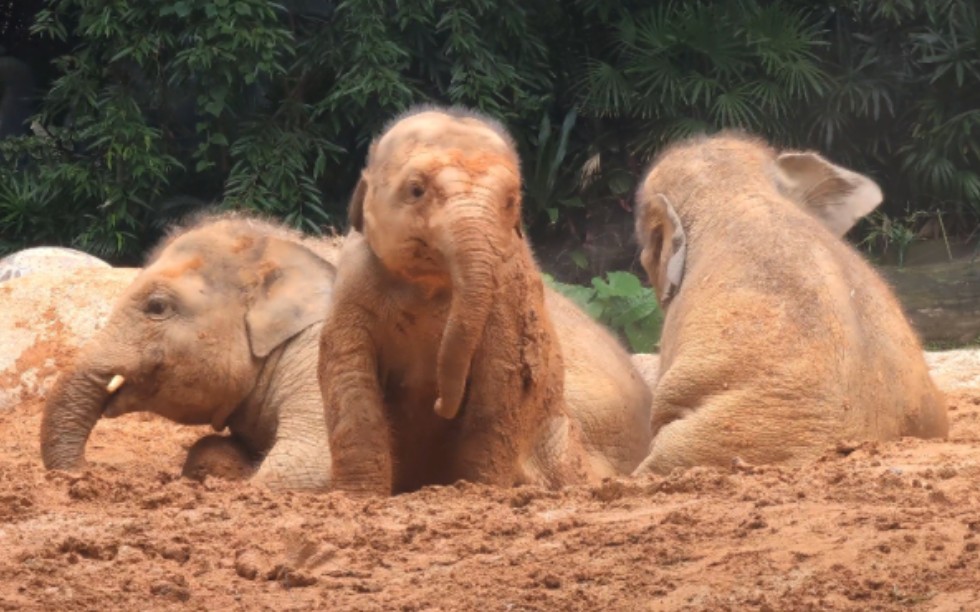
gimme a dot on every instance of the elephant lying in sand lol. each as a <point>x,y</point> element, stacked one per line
<point>779,338</point>
<point>440,359</point>
<point>220,328</point>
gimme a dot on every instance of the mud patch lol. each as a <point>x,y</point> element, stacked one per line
<point>886,526</point>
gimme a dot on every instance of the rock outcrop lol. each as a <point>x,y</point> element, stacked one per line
<point>46,259</point>
<point>44,318</point>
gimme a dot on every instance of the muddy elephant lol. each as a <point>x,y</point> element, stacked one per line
<point>440,360</point>
<point>779,338</point>
<point>222,328</point>
<point>606,393</point>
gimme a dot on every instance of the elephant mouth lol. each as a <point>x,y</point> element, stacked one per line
<point>117,397</point>
<point>422,264</point>
<point>113,407</point>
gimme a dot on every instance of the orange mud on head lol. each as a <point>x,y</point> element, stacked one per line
<point>189,265</point>
<point>477,163</point>
<point>243,243</point>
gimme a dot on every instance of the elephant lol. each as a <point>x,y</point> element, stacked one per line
<point>779,339</point>
<point>440,359</point>
<point>221,327</point>
<point>606,394</point>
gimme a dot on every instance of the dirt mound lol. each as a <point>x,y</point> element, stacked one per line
<point>878,526</point>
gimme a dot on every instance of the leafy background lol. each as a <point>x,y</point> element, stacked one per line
<point>149,110</point>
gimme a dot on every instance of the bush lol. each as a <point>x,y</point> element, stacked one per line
<point>891,88</point>
<point>163,107</point>
<point>622,304</point>
<point>158,108</point>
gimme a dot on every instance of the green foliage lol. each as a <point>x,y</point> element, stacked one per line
<point>158,108</point>
<point>906,101</point>
<point>685,67</point>
<point>547,185</point>
<point>886,232</point>
<point>622,303</point>
<point>890,88</point>
<point>109,147</point>
<point>163,107</point>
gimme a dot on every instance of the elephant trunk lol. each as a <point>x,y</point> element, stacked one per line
<point>473,263</point>
<point>70,413</point>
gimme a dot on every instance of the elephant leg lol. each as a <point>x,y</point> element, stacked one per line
<point>488,456</point>
<point>218,456</point>
<point>295,465</point>
<point>559,458</point>
<point>674,446</point>
<point>300,457</point>
<point>359,433</point>
<point>733,427</point>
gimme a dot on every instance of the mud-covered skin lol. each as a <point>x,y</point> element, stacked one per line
<point>222,328</point>
<point>779,339</point>
<point>439,360</point>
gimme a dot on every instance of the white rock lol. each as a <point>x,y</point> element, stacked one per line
<point>959,369</point>
<point>44,318</point>
<point>648,365</point>
<point>46,259</point>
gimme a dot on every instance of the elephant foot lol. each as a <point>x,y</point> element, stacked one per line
<point>219,457</point>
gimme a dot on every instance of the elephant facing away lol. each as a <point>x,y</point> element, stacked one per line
<point>439,360</point>
<point>779,338</point>
<point>222,328</point>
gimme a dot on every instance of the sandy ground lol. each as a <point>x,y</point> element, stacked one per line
<point>879,527</point>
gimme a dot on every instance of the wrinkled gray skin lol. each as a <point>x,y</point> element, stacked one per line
<point>220,328</point>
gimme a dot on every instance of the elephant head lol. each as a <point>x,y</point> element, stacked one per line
<point>189,338</point>
<point>439,203</point>
<point>835,196</point>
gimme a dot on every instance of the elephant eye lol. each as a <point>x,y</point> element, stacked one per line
<point>417,190</point>
<point>158,307</point>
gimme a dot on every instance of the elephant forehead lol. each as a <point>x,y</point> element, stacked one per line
<point>192,269</point>
<point>436,161</point>
<point>441,131</point>
<point>471,166</point>
<point>176,267</point>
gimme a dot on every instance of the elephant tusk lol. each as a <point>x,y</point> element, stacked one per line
<point>114,384</point>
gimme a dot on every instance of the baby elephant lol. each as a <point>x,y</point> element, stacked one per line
<point>779,338</point>
<point>439,360</point>
<point>222,327</point>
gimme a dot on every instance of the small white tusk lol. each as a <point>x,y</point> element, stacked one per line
<point>114,384</point>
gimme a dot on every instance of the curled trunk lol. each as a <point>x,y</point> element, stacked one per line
<point>472,266</point>
<point>70,413</point>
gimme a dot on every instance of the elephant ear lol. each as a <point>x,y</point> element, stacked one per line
<point>355,210</point>
<point>293,292</point>
<point>664,247</point>
<point>835,195</point>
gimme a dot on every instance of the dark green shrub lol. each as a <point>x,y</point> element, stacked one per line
<point>622,303</point>
<point>158,108</point>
